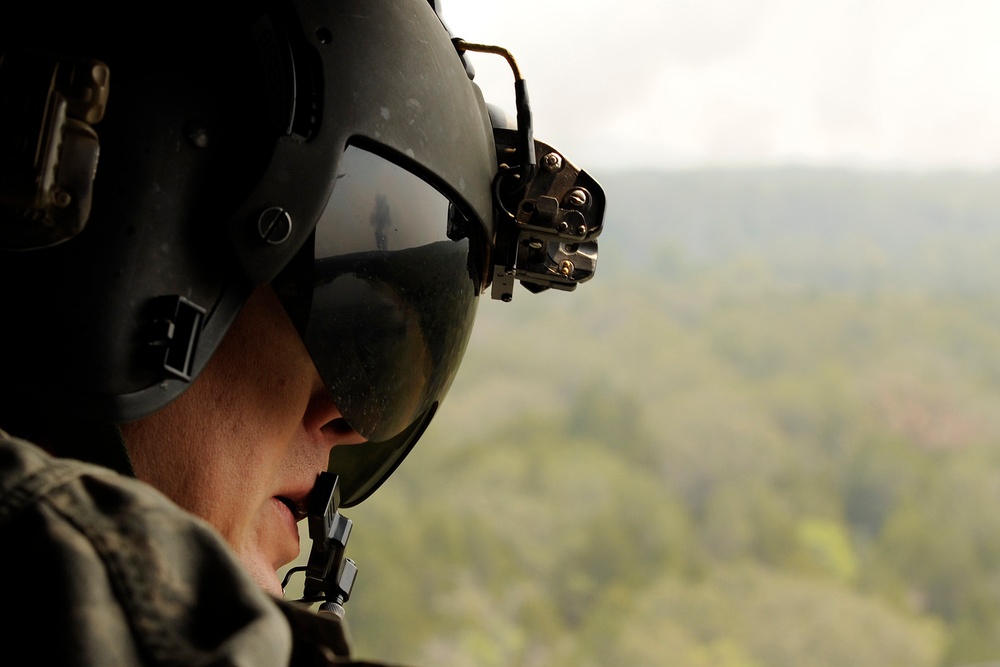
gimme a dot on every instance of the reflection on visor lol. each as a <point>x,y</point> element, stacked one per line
<point>385,308</point>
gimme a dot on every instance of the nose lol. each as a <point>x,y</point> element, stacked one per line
<point>324,421</point>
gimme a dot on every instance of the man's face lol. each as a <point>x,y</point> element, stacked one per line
<point>243,445</point>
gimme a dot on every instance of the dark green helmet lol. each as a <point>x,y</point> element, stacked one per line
<point>152,176</point>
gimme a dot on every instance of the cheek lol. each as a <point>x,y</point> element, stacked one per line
<point>262,374</point>
<point>211,462</point>
<point>219,448</point>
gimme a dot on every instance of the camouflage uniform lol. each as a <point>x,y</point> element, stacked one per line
<point>107,571</point>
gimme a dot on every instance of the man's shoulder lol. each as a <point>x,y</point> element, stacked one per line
<point>28,474</point>
<point>91,498</point>
<point>122,576</point>
<point>121,573</point>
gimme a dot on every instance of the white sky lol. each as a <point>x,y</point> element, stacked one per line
<point>873,83</point>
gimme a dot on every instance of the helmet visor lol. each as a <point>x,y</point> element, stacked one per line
<point>384,295</point>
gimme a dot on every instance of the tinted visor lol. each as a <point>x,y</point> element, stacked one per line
<point>384,295</point>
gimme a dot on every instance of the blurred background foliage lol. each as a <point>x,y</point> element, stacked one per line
<point>766,434</point>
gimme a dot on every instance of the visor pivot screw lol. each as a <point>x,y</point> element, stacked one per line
<point>197,133</point>
<point>552,161</point>
<point>274,225</point>
<point>563,226</point>
<point>578,198</point>
<point>581,230</point>
<point>566,268</point>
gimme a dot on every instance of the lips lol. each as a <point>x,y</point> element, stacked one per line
<point>292,503</point>
<point>287,546</point>
<point>297,509</point>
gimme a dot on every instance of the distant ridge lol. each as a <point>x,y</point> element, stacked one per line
<point>827,228</point>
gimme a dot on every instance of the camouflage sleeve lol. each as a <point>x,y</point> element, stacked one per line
<point>106,571</point>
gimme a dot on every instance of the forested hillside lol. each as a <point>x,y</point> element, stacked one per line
<point>766,435</point>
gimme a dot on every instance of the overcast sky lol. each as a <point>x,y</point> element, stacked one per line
<point>874,83</point>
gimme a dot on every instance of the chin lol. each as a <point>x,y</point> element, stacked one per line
<point>265,576</point>
<point>272,585</point>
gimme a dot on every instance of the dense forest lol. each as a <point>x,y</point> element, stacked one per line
<point>766,435</point>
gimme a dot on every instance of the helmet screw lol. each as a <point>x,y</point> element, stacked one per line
<point>566,268</point>
<point>61,198</point>
<point>552,161</point>
<point>197,133</point>
<point>581,230</point>
<point>274,225</point>
<point>578,198</point>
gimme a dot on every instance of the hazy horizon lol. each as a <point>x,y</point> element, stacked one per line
<point>885,84</point>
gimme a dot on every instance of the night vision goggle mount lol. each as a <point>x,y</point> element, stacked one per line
<point>549,214</point>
